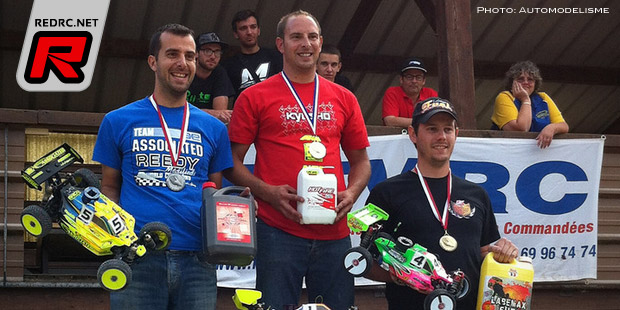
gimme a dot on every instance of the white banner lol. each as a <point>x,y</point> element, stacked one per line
<point>545,201</point>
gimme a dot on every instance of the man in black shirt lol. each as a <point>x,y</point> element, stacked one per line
<point>211,86</point>
<point>254,64</point>
<point>449,216</point>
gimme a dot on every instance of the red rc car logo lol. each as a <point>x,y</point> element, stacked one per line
<point>63,52</point>
<point>61,45</point>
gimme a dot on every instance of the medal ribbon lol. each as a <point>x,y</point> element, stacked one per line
<point>429,196</point>
<point>311,118</point>
<point>164,126</point>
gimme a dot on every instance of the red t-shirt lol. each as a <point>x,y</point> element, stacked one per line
<point>267,115</point>
<point>396,102</point>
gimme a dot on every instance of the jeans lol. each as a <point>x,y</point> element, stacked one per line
<point>283,260</point>
<point>168,280</point>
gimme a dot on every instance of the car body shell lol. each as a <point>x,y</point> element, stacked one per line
<point>99,225</point>
<point>416,266</point>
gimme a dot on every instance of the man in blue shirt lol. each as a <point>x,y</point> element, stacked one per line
<point>156,153</point>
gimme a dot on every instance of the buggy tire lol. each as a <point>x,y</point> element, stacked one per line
<point>384,235</point>
<point>36,221</point>
<point>84,178</point>
<point>465,288</point>
<point>357,261</point>
<point>159,233</point>
<point>403,244</point>
<point>439,299</point>
<point>114,275</point>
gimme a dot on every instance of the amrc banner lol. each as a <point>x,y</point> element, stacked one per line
<point>545,201</point>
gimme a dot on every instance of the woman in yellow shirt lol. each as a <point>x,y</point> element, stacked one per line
<point>521,107</point>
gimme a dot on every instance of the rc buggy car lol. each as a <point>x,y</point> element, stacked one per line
<point>73,200</point>
<point>410,263</point>
<point>248,300</point>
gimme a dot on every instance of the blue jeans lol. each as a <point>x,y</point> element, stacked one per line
<point>283,260</point>
<point>168,280</point>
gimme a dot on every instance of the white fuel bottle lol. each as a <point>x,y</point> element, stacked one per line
<point>320,196</point>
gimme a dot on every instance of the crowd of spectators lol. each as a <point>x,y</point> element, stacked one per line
<point>522,106</point>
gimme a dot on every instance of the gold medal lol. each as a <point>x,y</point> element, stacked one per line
<point>448,242</point>
<point>317,150</point>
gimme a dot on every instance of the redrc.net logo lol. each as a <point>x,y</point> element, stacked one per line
<point>63,52</point>
<point>61,45</point>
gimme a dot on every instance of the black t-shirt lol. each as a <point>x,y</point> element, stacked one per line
<point>264,63</point>
<point>343,81</point>
<point>201,92</point>
<point>471,221</point>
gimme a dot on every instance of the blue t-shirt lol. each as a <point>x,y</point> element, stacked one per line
<point>131,140</point>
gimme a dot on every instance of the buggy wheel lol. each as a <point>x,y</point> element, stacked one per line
<point>114,274</point>
<point>465,288</point>
<point>357,261</point>
<point>439,299</point>
<point>36,221</point>
<point>156,236</point>
<point>403,244</point>
<point>84,178</point>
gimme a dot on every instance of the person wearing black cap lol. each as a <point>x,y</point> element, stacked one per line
<point>450,216</point>
<point>211,86</point>
<point>399,101</point>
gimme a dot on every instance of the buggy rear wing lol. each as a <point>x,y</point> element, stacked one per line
<point>49,165</point>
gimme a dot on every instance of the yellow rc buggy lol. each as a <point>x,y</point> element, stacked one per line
<point>73,200</point>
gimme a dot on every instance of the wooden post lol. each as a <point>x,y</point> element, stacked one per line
<point>455,58</point>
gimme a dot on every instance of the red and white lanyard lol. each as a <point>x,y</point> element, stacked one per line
<point>443,219</point>
<point>174,153</point>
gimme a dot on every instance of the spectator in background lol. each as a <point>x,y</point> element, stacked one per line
<point>254,64</point>
<point>211,86</point>
<point>521,107</point>
<point>273,116</point>
<point>399,101</point>
<point>329,65</point>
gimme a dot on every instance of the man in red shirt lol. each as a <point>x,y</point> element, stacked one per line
<point>297,119</point>
<point>398,101</point>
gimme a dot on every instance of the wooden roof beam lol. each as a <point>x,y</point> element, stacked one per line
<point>428,10</point>
<point>357,26</point>
<point>455,58</point>
<point>489,70</point>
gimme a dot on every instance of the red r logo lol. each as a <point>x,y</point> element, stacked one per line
<point>63,52</point>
